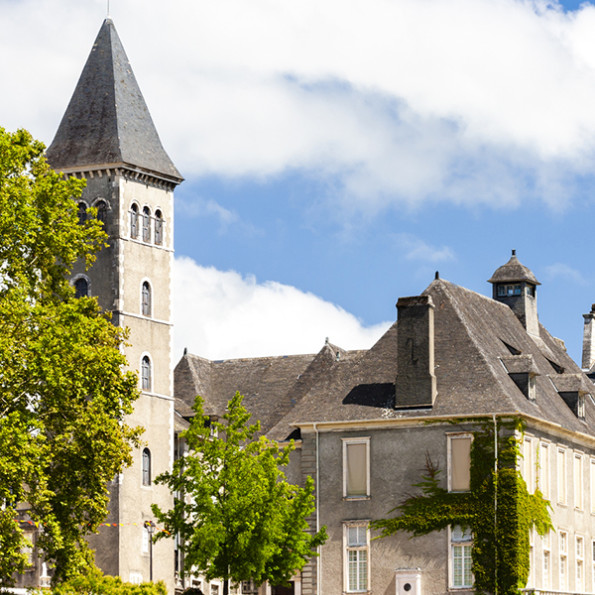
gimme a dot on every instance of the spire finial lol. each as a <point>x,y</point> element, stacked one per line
<point>108,15</point>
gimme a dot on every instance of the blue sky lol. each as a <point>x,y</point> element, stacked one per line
<point>337,154</point>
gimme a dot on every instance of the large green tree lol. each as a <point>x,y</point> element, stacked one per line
<point>64,394</point>
<point>237,516</point>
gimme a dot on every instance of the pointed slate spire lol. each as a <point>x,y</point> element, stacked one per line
<point>107,122</point>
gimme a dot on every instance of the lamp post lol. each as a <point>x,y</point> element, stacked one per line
<point>150,527</point>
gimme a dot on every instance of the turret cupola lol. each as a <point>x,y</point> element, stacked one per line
<point>514,285</point>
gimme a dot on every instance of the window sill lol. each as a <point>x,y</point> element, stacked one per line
<point>356,499</point>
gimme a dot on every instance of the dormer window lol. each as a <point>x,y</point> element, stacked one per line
<point>580,407</point>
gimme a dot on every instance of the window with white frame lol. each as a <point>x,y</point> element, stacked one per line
<point>460,553</point>
<point>146,224</point>
<point>145,373</point>
<point>356,563</point>
<point>459,462</point>
<point>544,469</point>
<point>577,478</point>
<point>561,475</point>
<point>563,551</point>
<point>528,467</point>
<point>146,304</point>
<point>547,561</point>
<point>580,564</point>
<point>356,467</point>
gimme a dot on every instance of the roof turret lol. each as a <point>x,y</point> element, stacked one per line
<point>107,122</point>
<point>513,272</point>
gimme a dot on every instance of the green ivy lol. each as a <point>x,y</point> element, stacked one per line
<point>498,508</point>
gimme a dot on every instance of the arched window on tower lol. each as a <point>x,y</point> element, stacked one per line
<point>158,228</point>
<point>145,371</point>
<point>146,299</point>
<point>82,213</point>
<point>146,225</point>
<point>134,221</point>
<point>146,467</point>
<point>81,288</point>
<point>101,207</point>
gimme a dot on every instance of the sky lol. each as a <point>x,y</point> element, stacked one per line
<point>337,153</point>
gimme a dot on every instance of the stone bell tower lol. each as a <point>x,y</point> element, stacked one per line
<point>108,137</point>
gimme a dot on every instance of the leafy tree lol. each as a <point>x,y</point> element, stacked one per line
<point>95,583</point>
<point>237,517</point>
<point>64,395</point>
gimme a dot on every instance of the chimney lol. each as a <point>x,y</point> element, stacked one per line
<point>415,385</point>
<point>588,341</point>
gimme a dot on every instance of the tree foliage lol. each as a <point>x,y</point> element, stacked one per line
<point>63,393</point>
<point>237,516</point>
<point>94,582</point>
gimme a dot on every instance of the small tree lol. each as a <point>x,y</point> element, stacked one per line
<point>237,516</point>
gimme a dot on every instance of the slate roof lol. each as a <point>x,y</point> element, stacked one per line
<point>107,121</point>
<point>513,271</point>
<point>475,338</point>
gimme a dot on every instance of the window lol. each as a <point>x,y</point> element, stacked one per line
<point>544,470</point>
<point>146,225</point>
<point>146,299</point>
<point>146,373</point>
<point>577,477</point>
<point>356,468</point>
<point>101,207</point>
<point>592,478</point>
<point>528,466</point>
<point>580,407</point>
<point>563,550</point>
<point>459,462</point>
<point>593,563</point>
<point>460,543</point>
<point>561,475</point>
<point>81,288</point>
<point>146,467</point>
<point>82,213</point>
<point>580,564</point>
<point>547,560</point>
<point>509,290</point>
<point>158,228</point>
<point>356,557</point>
<point>134,221</point>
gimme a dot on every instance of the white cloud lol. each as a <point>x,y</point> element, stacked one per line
<point>416,249</point>
<point>224,315</point>
<point>566,273</point>
<point>467,101</point>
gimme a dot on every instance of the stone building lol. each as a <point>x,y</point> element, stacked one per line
<point>363,421</point>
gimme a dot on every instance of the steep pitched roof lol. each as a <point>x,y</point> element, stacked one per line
<point>475,338</point>
<point>513,271</point>
<point>107,121</point>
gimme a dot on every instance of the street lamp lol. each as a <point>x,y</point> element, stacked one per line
<point>150,527</point>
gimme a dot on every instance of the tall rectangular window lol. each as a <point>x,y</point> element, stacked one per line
<point>547,561</point>
<point>356,561</point>
<point>459,462</point>
<point>577,479</point>
<point>561,475</point>
<point>544,469</point>
<point>460,552</point>
<point>356,467</point>
<point>563,551</point>
<point>528,467</point>
<point>580,564</point>
<point>592,486</point>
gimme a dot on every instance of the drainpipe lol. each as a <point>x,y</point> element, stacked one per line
<point>319,558</point>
